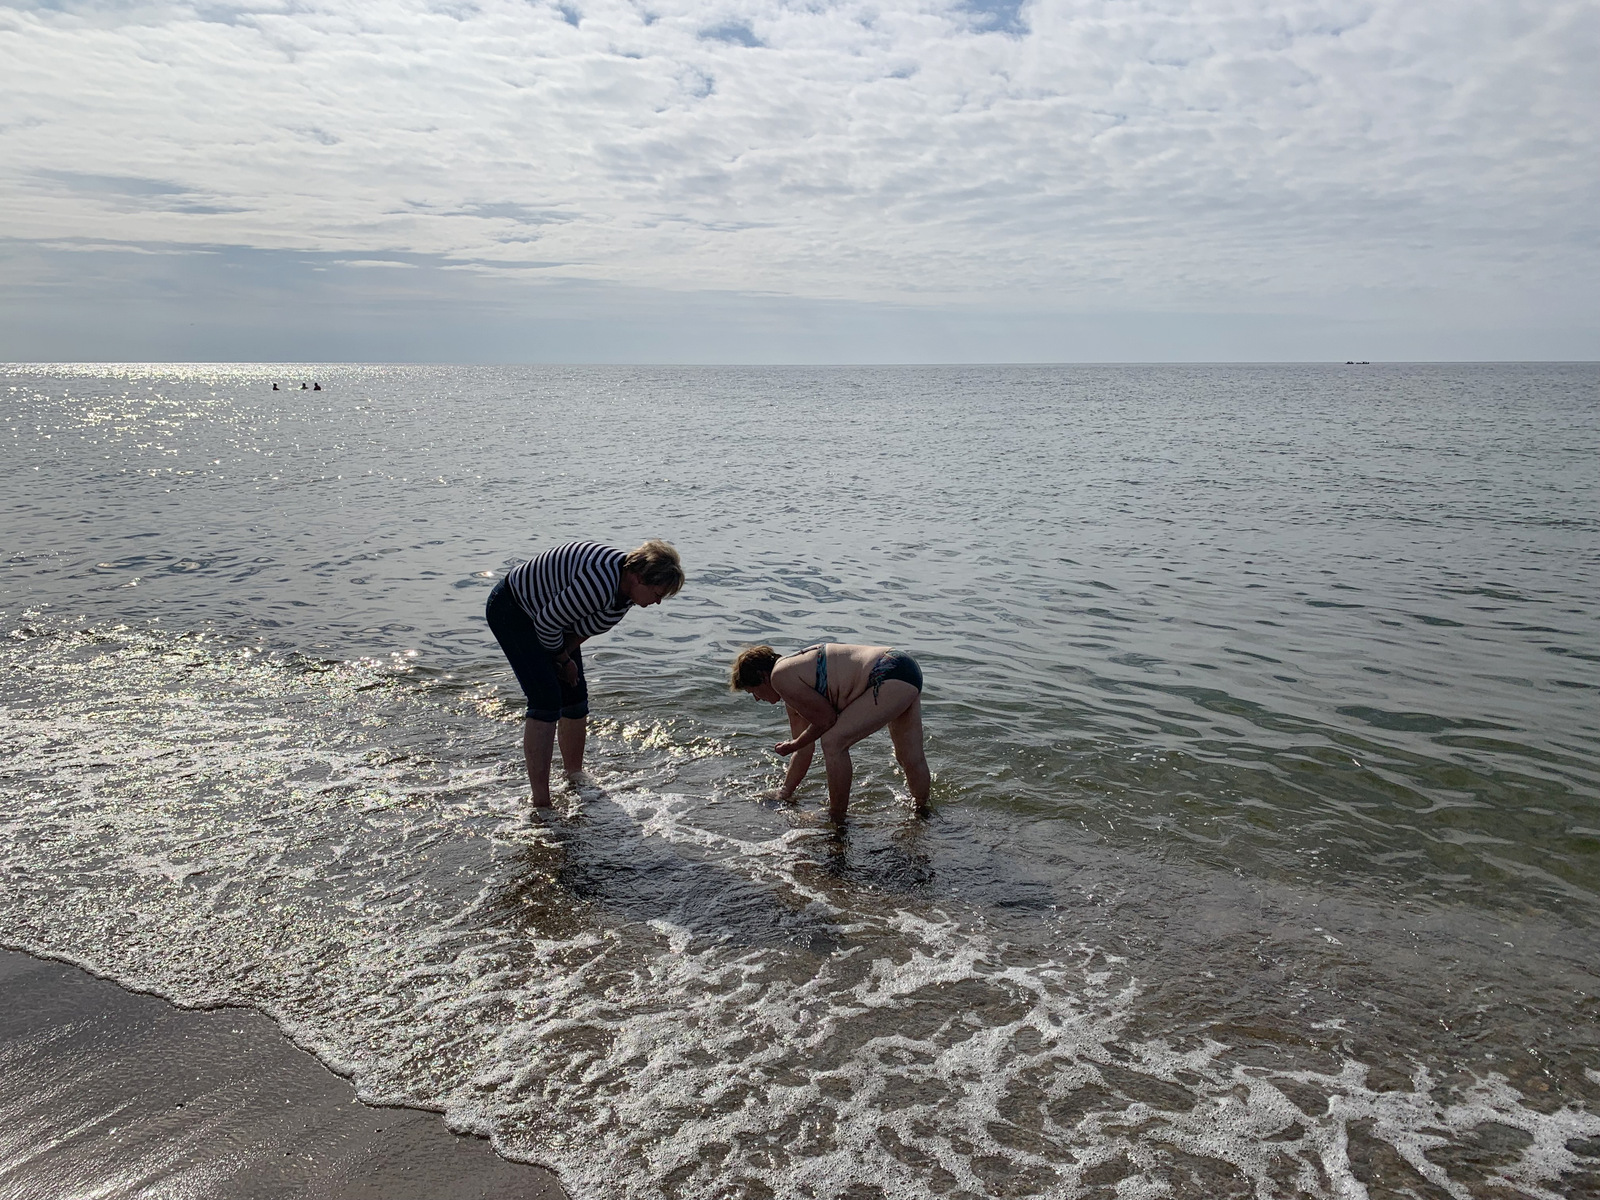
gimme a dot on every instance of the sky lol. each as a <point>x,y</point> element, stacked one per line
<point>803,181</point>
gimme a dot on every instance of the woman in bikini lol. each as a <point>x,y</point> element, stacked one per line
<point>837,694</point>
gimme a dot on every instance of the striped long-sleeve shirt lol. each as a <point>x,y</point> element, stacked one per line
<point>571,588</point>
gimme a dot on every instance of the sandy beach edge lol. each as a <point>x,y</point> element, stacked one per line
<point>113,1093</point>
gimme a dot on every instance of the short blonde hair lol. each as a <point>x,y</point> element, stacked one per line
<point>752,668</point>
<point>656,564</point>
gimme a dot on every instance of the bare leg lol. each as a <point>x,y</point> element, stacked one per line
<point>906,733</point>
<point>538,747</point>
<point>867,715</point>
<point>571,733</point>
<point>840,771</point>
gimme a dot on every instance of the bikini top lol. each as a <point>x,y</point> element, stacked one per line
<point>821,685</point>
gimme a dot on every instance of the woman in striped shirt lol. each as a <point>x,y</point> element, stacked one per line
<point>544,610</point>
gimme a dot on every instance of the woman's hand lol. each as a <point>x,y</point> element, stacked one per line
<point>569,672</point>
<point>787,748</point>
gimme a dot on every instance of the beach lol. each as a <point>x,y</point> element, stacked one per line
<point>1263,856</point>
<point>110,1093</point>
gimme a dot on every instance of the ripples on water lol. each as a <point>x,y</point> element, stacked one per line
<point>1261,702</point>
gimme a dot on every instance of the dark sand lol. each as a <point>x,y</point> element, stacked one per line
<point>112,1094</point>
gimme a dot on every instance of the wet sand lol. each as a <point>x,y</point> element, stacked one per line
<point>110,1093</point>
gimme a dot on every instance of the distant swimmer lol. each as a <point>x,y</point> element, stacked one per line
<point>837,694</point>
<point>316,387</point>
<point>544,610</point>
<point>274,387</point>
<point>302,387</point>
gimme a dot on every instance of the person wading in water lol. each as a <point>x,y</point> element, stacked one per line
<point>544,610</point>
<point>837,694</point>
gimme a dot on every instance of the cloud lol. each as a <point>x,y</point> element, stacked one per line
<point>1005,15</point>
<point>229,303</point>
<point>1212,155</point>
<point>123,192</point>
<point>520,214</point>
<point>735,33</point>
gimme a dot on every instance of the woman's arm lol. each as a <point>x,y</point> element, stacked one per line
<point>816,712</point>
<point>565,667</point>
<point>795,773</point>
<point>591,591</point>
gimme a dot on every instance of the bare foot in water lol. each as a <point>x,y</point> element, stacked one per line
<point>582,786</point>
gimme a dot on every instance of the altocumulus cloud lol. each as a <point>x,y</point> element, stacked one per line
<point>1050,156</point>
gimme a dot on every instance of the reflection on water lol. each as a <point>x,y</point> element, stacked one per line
<point>1263,851</point>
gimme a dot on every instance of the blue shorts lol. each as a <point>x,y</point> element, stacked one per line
<point>549,696</point>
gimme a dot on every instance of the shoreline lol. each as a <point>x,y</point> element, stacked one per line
<point>111,1092</point>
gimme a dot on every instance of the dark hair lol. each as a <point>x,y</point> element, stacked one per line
<point>752,668</point>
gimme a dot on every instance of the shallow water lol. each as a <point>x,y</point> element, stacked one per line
<point>1265,852</point>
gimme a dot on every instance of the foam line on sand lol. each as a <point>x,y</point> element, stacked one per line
<point>111,1093</point>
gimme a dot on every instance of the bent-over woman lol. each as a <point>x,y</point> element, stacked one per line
<point>837,694</point>
<point>544,610</point>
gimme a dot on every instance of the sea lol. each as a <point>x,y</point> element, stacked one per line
<point>1263,705</point>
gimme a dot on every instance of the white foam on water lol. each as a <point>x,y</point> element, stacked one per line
<point>653,1006</point>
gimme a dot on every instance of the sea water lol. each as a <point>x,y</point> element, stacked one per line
<point>1264,853</point>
